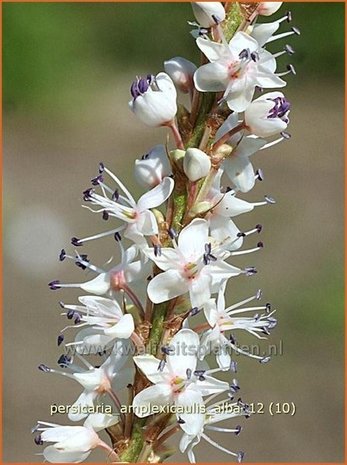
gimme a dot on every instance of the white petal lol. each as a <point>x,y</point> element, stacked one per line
<point>230,123</point>
<point>200,289</point>
<point>99,285</point>
<point>206,13</point>
<point>147,224</point>
<point>193,422</point>
<point>90,379</point>
<point>100,421</point>
<point>166,286</point>
<point>222,230</point>
<point>52,455</point>
<point>167,260</point>
<point>123,329</point>
<point>60,433</point>
<point>242,41</point>
<point>110,306</point>
<point>185,345</point>
<point>231,206</point>
<point>248,146</point>
<point>149,365</point>
<point>166,85</point>
<point>223,358</point>
<point>157,395</point>
<point>241,173</point>
<point>85,400</point>
<point>212,50</point>
<point>211,313</point>
<point>192,239</point>
<point>157,195</point>
<point>262,32</point>
<point>212,77</point>
<point>211,385</point>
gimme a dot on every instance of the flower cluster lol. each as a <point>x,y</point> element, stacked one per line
<point>158,318</point>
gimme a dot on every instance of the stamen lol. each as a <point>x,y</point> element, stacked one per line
<point>76,242</point>
<point>44,368</point>
<point>54,285</point>
<point>260,245</point>
<point>294,30</point>
<point>38,440</point>
<point>60,339</point>
<point>62,255</point>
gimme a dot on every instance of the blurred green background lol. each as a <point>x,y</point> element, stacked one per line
<point>67,69</point>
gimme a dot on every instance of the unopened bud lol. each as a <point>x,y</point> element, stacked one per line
<point>176,157</point>
<point>181,72</point>
<point>196,164</point>
<point>208,14</point>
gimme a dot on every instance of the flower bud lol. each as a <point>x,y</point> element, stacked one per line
<point>208,14</point>
<point>181,72</point>
<point>268,8</point>
<point>154,100</point>
<point>196,164</point>
<point>267,115</point>
<point>152,167</point>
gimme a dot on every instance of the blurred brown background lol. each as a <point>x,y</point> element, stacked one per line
<point>67,72</point>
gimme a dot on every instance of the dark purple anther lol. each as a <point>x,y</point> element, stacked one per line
<point>115,196</point>
<point>97,180</point>
<point>87,195</point>
<point>238,430</point>
<point>245,54</point>
<point>285,135</point>
<point>134,90</point>
<point>62,305</point>
<point>296,30</point>
<point>259,228</point>
<point>289,16</point>
<point>76,242</point>
<point>60,339</point>
<point>255,56</point>
<point>265,360</point>
<point>44,368</point>
<point>64,361</point>
<point>194,311</point>
<point>240,234</point>
<point>38,440</point>
<point>188,373</point>
<point>145,156</point>
<point>161,365</point>
<point>77,320</point>
<point>167,350</point>
<point>280,109</point>
<point>268,306</point>
<point>117,236</point>
<point>259,174</point>
<point>54,285</point>
<point>101,167</point>
<point>260,245</point>
<point>62,255</point>
<point>157,250</point>
<point>250,271</point>
<point>270,200</point>
<point>143,85</point>
<point>172,233</point>
<point>240,456</point>
<point>180,421</point>
<point>105,215</point>
<point>70,314</point>
<point>259,294</point>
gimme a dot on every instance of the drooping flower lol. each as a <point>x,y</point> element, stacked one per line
<point>215,413</point>
<point>153,167</point>
<point>190,266</point>
<point>222,320</point>
<point>137,216</point>
<point>71,444</point>
<point>208,14</point>
<point>95,381</point>
<point>237,69</point>
<point>102,315</point>
<point>268,115</point>
<point>176,382</point>
<point>154,100</point>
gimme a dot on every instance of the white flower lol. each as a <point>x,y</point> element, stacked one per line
<point>137,216</point>
<point>109,282</point>
<point>215,413</point>
<point>189,267</point>
<point>71,444</point>
<point>154,100</point>
<point>268,115</point>
<point>153,167</point>
<point>196,164</point>
<point>223,319</point>
<point>237,166</point>
<point>208,14</point>
<point>103,315</point>
<point>236,69</point>
<point>181,72</point>
<point>95,381</point>
<point>268,8</point>
<point>175,382</point>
